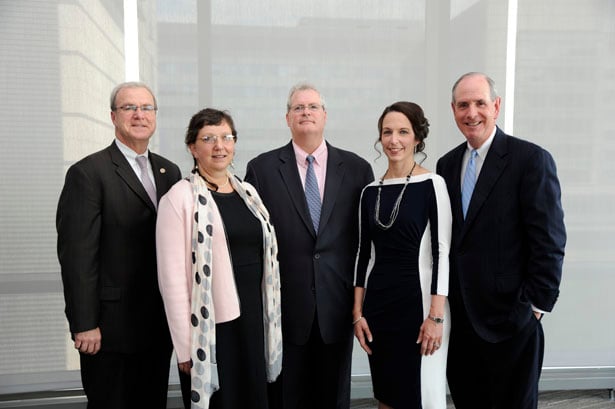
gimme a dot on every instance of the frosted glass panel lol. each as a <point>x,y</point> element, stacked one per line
<point>60,59</point>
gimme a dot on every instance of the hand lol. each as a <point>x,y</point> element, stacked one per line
<point>88,342</point>
<point>184,367</point>
<point>363,334</point>
<point>430,337</point>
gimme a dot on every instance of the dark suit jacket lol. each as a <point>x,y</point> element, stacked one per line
<point>508,253</point>
<point>316,270</point>
<point>106,247</point>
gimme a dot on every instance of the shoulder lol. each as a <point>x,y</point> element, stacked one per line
<point>452,153</point>
<point>347,156</point>
<point>93,165</point>
<point>437,180</point>
<point>179,192</point>
<point>269,156</point>
<point>248,187</point>
<point>163,162</point>
<point>524,150</point>
<point>103,155</point>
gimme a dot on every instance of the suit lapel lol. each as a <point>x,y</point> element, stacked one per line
<point>127,174</point>
<point>292,181</point>
<point>161,179</point>
<point>492,169</point>
<point>335,175</point>
<point>455,182</point>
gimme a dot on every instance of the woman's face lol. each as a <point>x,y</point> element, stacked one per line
<point>214,147</point>
<point>397,138</point>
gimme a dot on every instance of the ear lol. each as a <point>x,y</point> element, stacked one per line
<point>497,102</point>
<point>192,148</point>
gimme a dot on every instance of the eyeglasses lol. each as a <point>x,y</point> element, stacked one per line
<point>133,108</point>
<point>212,139</point>
<point>298,109</point>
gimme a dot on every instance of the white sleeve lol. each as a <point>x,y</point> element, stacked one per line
<point>445,221</point>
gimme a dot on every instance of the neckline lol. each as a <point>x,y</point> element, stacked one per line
<point>413,179</point>
<point>223,194</point>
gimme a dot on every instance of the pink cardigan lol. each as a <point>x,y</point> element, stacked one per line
<point>174,252</point>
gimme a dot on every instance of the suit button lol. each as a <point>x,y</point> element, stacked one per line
<point>317,256</point>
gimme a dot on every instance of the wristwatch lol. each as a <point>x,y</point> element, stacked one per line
<point>437,320</point>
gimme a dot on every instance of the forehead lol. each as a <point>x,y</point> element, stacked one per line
<point>222,127</point>
<point>472,89</point>
<point>134,95</point>
<point>306,96</point>
<point>396,119</point>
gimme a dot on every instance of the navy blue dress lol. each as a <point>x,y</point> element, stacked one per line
<point>394,301</point>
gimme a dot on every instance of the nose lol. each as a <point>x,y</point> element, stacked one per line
<point>218,143</point>
<point>471,111</point>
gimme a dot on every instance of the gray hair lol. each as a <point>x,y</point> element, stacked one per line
<point>131,84</point>
<point>493,92</point>
<point>303,86</point>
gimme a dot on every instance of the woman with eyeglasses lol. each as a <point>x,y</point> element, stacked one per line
<point>218,275</point>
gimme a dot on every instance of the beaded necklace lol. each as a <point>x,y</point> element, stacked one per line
<point>395,210</point>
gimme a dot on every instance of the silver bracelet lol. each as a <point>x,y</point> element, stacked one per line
<point>357,320</point>
<point>437,320</point>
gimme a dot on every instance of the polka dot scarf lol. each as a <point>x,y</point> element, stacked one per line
<point>204,371</point>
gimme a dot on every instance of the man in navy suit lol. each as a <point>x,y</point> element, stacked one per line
<point>316,256</point>
<point>106,222</point>
<point>506,254</point>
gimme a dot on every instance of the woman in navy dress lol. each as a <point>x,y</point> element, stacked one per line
<point>400,314</point>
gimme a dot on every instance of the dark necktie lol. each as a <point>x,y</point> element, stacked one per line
<point>146,181</point>
<point>469,180</point>
<point>312,194</point>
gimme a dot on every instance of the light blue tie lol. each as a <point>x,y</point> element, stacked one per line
<point>469,180</point>
<point>312,194</point>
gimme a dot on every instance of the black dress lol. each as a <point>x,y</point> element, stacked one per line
<point>240,348</point>
<point>394,298</point>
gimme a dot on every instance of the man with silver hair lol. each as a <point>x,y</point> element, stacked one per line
<point>106,222</point>
<point>507,249</point>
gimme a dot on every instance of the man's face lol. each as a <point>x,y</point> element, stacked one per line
<point>475,112</point>
<point>306,116</point>
<point>134,128</point>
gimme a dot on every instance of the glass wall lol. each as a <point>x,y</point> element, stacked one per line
<point>59,60</point>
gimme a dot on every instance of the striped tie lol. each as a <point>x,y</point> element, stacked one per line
<point>469,180</point>
<point>312,194</point>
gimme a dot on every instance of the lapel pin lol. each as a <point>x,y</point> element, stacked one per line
<point>163,170</point>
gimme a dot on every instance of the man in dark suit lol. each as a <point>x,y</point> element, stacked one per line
<point>316,253</point>
<point>506,254</point>
<point>106,223</point>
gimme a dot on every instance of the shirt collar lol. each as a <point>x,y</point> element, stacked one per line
<point>484,148</point>
<point>319,154</point>
<point>129,153</point>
